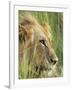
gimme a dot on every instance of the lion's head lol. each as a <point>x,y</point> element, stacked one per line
<point>35,41</point>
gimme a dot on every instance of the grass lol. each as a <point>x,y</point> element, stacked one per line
<point>55,20</point>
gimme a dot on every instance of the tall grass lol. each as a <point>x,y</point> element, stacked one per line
<point>55,20</point>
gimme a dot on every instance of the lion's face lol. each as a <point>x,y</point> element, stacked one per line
<point>37,39</point>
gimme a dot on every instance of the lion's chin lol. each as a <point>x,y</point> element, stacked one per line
<point>51,71</point>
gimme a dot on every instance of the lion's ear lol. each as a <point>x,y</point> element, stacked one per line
<point>47,30</point>
<point>22,33</point>
<point>25,33</point>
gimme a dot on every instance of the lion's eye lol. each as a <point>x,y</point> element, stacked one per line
<point>43,42</point>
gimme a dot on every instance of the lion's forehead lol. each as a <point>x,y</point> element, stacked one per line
<point>38,33</point>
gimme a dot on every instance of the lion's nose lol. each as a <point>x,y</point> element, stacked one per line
<point>54,61</point>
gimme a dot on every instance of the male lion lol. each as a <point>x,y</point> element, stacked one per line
<point>36,54</point>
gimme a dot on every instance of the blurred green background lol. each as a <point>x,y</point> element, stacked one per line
<point>55,20</point>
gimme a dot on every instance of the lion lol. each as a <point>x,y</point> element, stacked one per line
<point>35,48</point>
